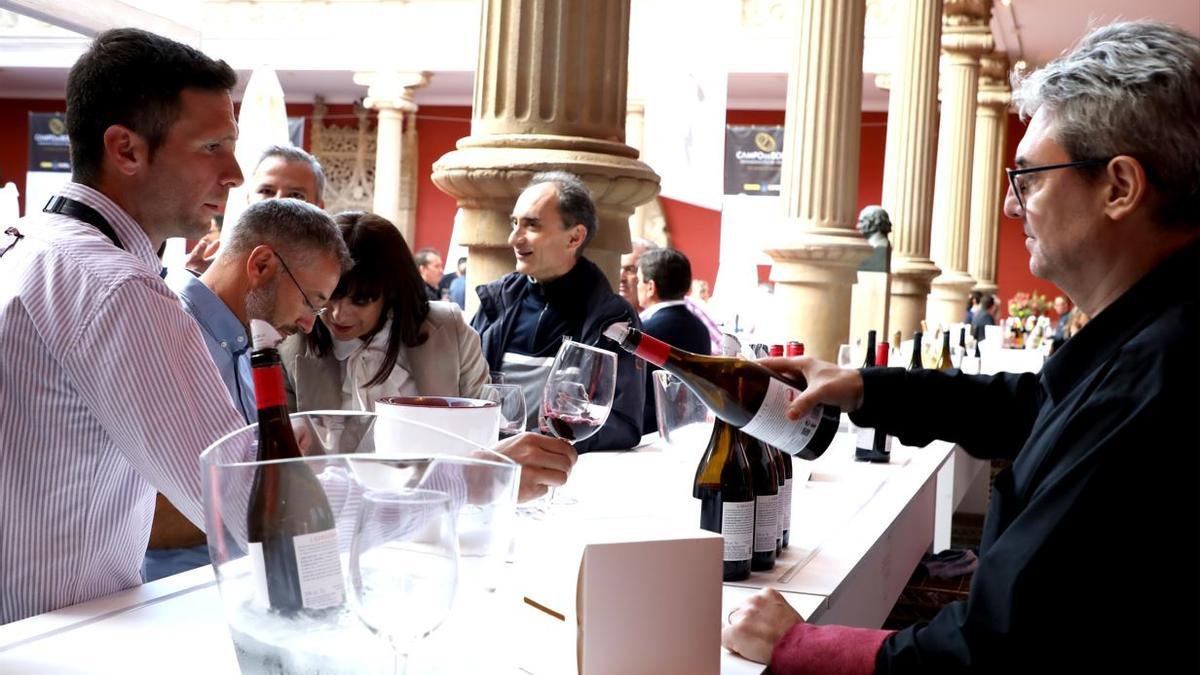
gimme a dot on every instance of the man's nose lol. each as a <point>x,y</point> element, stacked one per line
<point>1012,208</point>
<point>232,175</point>
<point>306,322</point>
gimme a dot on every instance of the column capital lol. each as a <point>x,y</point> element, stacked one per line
<point>390,89</point>
<point>965,28</point>
<point>994,91</point>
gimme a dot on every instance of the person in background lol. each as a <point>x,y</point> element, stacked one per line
<point>974,300</point>
<point>1062,307</point>
<point>627,284</point>
<point>1103,441</point>
<point>699,293</point>
<point>555,292</point>
<point>984,316</point>
<point>664,276</point>
<point>458,286</point>
<point>109,393</point>
<point>449,277</point>
<point>429,267</point>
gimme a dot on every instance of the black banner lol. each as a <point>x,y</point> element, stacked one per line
<point>48,149</point>
<point>753,160</point>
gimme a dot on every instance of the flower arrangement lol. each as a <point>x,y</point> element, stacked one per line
<point>1025,305</point>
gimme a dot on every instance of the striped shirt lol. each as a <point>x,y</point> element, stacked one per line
<point>107,393</point>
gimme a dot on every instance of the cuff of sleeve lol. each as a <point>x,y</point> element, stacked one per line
<point>829,650</point>
<point>878,385</point>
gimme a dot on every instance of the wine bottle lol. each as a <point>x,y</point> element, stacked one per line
<point>290,528</point>
<point>766,502</point>
<point>944,362</point>
<point>915,363</point>
<point>723,486</point>
<point>871,444</point>
<point>795,348</point>
<point>784,463</point>
<point>744,393</point>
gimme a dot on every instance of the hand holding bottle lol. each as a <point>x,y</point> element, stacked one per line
<point>827,384</point>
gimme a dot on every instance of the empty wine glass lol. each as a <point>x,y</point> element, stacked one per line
<point>403,565</point>
<point>511,400</point>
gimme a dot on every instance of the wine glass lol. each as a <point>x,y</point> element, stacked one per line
<point>845,359</point>
<point>403,565</point>
<point>578,394</point>
<point>511,400</point>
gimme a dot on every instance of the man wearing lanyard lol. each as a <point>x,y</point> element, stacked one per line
<point>107,391</point>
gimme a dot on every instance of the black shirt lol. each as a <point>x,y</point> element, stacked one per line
<point>1089,553</point>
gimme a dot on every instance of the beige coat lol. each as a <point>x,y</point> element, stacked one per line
<point>450,363</point>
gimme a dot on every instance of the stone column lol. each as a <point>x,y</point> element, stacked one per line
<point>908,161</point>
<point>550,89</point>
<point>816,260</point>
<point>989,183</point>
<point>391,94</point>
<point>965,37</point>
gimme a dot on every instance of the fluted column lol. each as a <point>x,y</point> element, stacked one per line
<point>391,94</point>
<point>965,36</point>
<point>991,128</point>
<point>550,89</point>
<point>816,260</point>
<point>908,169</point>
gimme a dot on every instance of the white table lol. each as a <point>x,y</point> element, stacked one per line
<point>858,532</point>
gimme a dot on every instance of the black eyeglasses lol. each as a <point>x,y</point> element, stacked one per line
<point>316,311</point>
<point>1019,185</point>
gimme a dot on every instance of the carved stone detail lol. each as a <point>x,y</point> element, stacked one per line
<point>347,154</point>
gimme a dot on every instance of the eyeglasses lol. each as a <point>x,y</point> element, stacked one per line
<point>1019,186</point>
<point>316,311</point>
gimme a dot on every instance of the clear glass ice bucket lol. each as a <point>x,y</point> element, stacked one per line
<point>340,448</point>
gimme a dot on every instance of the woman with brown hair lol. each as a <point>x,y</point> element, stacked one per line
<point>380,335</point>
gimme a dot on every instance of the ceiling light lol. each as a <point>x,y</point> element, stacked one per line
<point>1020,65</point>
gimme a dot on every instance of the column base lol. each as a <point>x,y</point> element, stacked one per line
<point>986,287</point>
<point>911,279</point>
<point>813,275</point>
<point>948,298</point>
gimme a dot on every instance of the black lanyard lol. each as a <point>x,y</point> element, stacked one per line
<point>82,212</point>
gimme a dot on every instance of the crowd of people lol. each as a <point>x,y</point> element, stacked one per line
<point>119,373</point>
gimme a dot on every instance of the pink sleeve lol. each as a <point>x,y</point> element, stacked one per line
<point>829,650</point>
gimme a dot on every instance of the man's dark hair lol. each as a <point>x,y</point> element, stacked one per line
<point>132,78</point>
<point>575,205</point>
<point>669,270</point>
<point>989,301</point>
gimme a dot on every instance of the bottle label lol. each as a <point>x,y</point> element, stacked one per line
<point>766,522</point>
<point>737,527</point>
<point>864,438</point>
<point>771,425</point>
<point>785,506</point>
<point>318,565</point>
<point>268,387</point>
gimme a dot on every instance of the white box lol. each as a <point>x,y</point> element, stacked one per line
<point>624,597</point>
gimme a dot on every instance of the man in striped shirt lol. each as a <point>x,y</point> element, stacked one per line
<point>107,392</point>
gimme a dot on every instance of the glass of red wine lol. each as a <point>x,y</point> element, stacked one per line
<point>578,394</point>
<point>511,400</point>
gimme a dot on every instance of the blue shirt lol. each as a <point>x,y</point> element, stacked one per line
<point>224,335</point>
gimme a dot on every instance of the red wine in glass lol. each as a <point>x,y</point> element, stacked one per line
<point>571,427</point>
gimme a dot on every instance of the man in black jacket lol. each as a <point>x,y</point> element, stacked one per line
<point>1091,545</point>
<point>664,276</point>
<point>554,293</point>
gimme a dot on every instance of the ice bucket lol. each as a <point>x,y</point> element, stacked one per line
<point>339,449</point>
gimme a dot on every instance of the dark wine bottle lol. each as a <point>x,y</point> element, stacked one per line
<point>944,362</point>
<point>744,393</point>
<point>289,525</point>
<point>915,362</point>
<point>871,444</point>
<point>785,469</point>
<point>766,502</point>
<point>723,486</point>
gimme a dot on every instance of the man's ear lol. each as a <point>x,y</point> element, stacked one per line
<point>126,150</point>
<point>651,289</point>
<point>578,236</point>
<point>261,266</point>
<point>1127,189</point>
